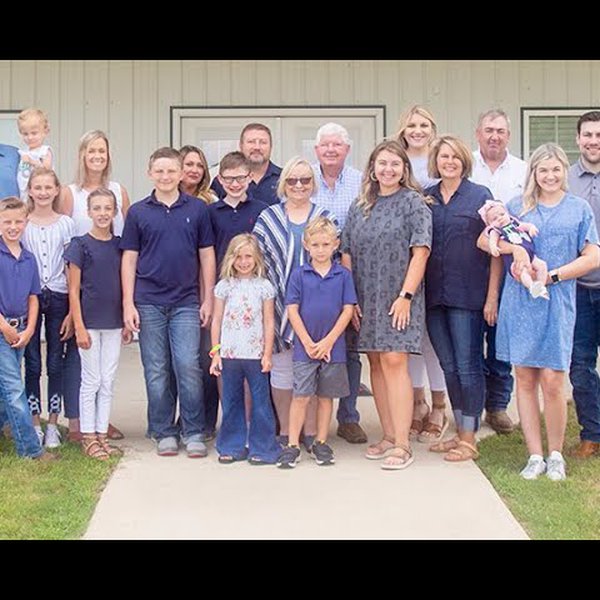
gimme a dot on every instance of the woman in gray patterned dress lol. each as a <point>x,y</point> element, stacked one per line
<point>386,243</point>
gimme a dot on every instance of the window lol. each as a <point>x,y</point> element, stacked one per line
<point>559,125</point>
<point>9,132</point>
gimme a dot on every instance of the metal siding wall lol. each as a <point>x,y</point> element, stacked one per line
<point>131,99</point>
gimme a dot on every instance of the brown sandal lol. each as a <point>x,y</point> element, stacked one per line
<point>417,424</point>
<point>446,446</point>
<point>380,450</point>
<point>110,450</point>
<point>463,452</point>
<point>396,461</point>
<point>432,432</point>
<point>93,448</point>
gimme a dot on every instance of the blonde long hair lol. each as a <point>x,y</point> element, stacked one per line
<point>233,249</point>
<point>406,116</point>
<point>370,187</point>
<point>39,172</point>
<point>86,139</point>
<point>531,192</point>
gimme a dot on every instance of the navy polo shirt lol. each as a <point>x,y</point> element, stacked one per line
<point>457,271</point>
<point>227,222</point>
<point>167,239</point>
<point>9,164</point>
<point>321,300</point>
<point>265,190</point>
<point>19,279</point>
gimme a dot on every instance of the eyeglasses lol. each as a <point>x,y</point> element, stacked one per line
<point>294,180</point>
<point>238,178</point>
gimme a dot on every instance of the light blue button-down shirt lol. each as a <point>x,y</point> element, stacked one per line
<point>338,200</point>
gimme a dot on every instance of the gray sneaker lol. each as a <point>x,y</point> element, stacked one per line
<point>322,453</point>
<point>52,438</point>
<point>556,470</point>
<point>534,468</point>
<point>168,446</point>
<point>196,449</point>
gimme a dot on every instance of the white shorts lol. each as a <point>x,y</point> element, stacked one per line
<point>282,371</point>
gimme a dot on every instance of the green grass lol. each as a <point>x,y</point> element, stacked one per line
<point>547,510</point>
<point>49,501</point>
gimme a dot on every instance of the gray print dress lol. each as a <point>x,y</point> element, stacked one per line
<point>380,250</point>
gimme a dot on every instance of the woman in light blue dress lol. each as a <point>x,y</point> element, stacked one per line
<point>534,334</point>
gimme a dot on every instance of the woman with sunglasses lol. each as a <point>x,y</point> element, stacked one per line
<point>279,230</point>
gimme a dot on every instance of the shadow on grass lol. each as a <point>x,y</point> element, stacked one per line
<point>49,501</point>
<point>547,510</point>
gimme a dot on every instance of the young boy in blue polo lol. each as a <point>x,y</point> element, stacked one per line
<point>19,287</point>
<point>237,212</point>
<point>167,245</point>
<point>320,301</point>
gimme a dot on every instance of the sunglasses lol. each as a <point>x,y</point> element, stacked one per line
<point>294,180</point>
<point>238,178</point>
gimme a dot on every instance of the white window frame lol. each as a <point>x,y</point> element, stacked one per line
<point>9,131</point>
<point>528,112</point>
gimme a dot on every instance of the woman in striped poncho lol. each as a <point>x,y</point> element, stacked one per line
<point>279,230</point>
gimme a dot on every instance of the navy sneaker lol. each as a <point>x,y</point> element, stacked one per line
<point>307,441</point>
<point>289,458</point>
<point>322,453</point>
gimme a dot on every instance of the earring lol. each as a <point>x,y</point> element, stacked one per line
<point>372,176</point>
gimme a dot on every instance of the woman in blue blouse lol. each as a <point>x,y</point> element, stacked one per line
<point>456,288</point>
<point>536,335</point>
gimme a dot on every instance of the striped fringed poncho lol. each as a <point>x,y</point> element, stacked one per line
<point>277,245</point>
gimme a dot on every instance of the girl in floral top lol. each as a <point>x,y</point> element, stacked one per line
<point>243,332</point>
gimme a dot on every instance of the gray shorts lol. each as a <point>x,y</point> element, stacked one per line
<point>328,380</point>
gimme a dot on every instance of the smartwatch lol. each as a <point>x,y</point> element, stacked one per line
<point>406,295</point>
<point>554,276</point>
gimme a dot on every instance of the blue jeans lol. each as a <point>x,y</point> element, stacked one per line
<point>171,335</point>
<point>13,402</point>
<point>347,412</point>
<point>457,338</point>
<point>211,391</point>
<point>583,375</point>
<point>498,374</point>
<point>234,432</point>
<point>63,364</point>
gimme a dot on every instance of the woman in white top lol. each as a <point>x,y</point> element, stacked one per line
<point>93,171</point>
<point>416,131</point>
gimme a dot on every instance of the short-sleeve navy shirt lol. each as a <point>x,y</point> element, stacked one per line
<point>457,271</point>
<point>167,239</point>
<point>227,222</point>
<point>100,264</point>
<point>265,190</point>
<point>320,300</point>
<point>19,279</point>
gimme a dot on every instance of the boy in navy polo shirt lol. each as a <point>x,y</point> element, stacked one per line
<point>237,212</point>
<point>19,287</point>
<point>167,244</point>
<point>320,301</point>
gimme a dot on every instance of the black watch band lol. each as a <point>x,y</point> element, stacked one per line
<point>406,295</point>
<point>554,276</point>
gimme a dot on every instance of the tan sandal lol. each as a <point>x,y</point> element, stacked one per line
<point>463,452</point>
<point>432,432</point>
<point>446,446</point>
<point>380,450</point>
<point>92,448</point>
<point>396,461</point>
<point>110,450</point>
<point>417,424</point>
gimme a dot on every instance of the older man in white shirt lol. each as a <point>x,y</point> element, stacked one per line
<point>504,174</point>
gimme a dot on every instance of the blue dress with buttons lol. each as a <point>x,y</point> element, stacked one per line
<point>533,332</point>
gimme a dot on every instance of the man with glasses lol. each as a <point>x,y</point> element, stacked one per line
<point>256,144</point>
<point>339,186</point>
<point>504,175</point>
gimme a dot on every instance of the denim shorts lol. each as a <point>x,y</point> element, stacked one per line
<point>328,380</point>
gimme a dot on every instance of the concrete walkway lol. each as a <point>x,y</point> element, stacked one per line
<point>178,498</point>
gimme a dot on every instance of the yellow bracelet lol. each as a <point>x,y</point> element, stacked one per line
<point>214,350</point>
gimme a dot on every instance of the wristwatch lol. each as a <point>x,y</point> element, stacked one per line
<point>554,276</point>
<point>406,295</point>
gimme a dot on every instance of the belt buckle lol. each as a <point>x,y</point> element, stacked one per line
<point>13,322</point>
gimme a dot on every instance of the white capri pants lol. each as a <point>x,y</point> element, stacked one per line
<point>98,368</point>
<point>418,363</point>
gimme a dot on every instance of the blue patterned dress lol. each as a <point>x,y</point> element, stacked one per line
<point>533,332</point>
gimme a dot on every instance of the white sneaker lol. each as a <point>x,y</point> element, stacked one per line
<point>534,468</point>
<point>40,434</point>
<point>556,467</point>
<point>52,437</point>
